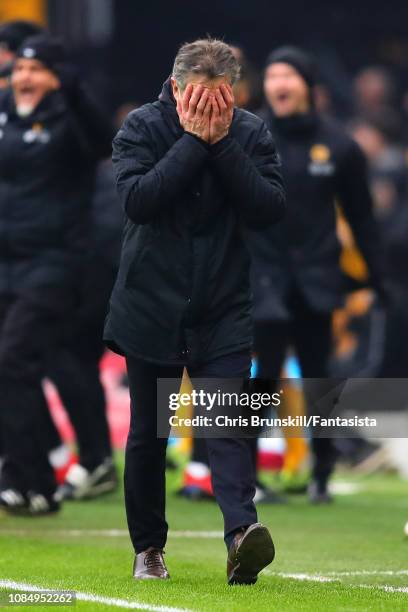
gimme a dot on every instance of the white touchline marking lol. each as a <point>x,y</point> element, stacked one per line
<point>301,576</point>
<point>319,578</point>
<point>383,587</point>
<point>134,605</point>
<point>108,601</point>
<point>370,573</point>
<point>331,576</point>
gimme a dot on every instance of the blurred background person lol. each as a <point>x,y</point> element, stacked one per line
<point>380,137</point>
<point>12,35</point>
<point>375,91</point>
<point>388,172</point>
<point>296,275</point>
<point>74,367</point>
<point>248,87</point>
<point>52,135</point>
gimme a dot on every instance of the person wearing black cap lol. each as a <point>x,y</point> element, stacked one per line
<point>296,277</point>
<point>52,134</point>
<point>12,36</point>
<point>74,367</point>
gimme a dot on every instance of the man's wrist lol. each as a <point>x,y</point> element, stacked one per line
<point>221,137</point>
<point>201,140</point>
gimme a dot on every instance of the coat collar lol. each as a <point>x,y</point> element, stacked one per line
<point>168,107</point>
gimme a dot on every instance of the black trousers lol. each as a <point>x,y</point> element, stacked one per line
<point>230,459</point>
<point>74,366</point>
<point>309,333</point>
<point>74,369</point>
<point>30,327</point>
<point>77,380</point>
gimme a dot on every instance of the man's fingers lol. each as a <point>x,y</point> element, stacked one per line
<point>202,102</point>
<point>186,97</point>
<point>227,94</point>
<point>208,107</point>
<point>215,107</point>
<point>179,107</point>
<point>195,97</point>
<point>229,89</point>
<point>220,100</point>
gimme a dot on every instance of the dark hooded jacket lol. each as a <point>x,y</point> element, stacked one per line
<point>322,167</point>
<point>182,294</point>
<point>47,171</point>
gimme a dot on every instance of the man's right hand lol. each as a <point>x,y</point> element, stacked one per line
<point>194,111</point>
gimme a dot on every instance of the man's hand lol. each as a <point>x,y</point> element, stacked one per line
<point>194,111</point>
<point>222,108</point>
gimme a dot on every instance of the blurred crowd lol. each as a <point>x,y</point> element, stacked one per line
<point>375,116</point>
<point>373,110</point>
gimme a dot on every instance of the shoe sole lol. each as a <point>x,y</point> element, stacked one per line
<point>85,493</point>
<point>95,490</point>
<point>102,480</point>
<point>255,552</point>
<point>151,577</point>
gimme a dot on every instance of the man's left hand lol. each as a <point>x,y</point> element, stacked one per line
<point>222,111</point>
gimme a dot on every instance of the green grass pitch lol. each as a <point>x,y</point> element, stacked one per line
<point>348,556</point>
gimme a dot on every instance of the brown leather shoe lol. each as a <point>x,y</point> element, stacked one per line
<point>150,564</point>
<point>250,551</point>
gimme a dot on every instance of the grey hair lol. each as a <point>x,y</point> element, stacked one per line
<point>209,56</point>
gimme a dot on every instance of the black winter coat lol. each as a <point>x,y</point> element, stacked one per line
<point>47,171</point>
<point>321,166</point>
<point>106,219</point>
<point>182,294</point>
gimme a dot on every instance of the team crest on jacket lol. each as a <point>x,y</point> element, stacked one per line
<point>320,161</point>
<point>37,133</point>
